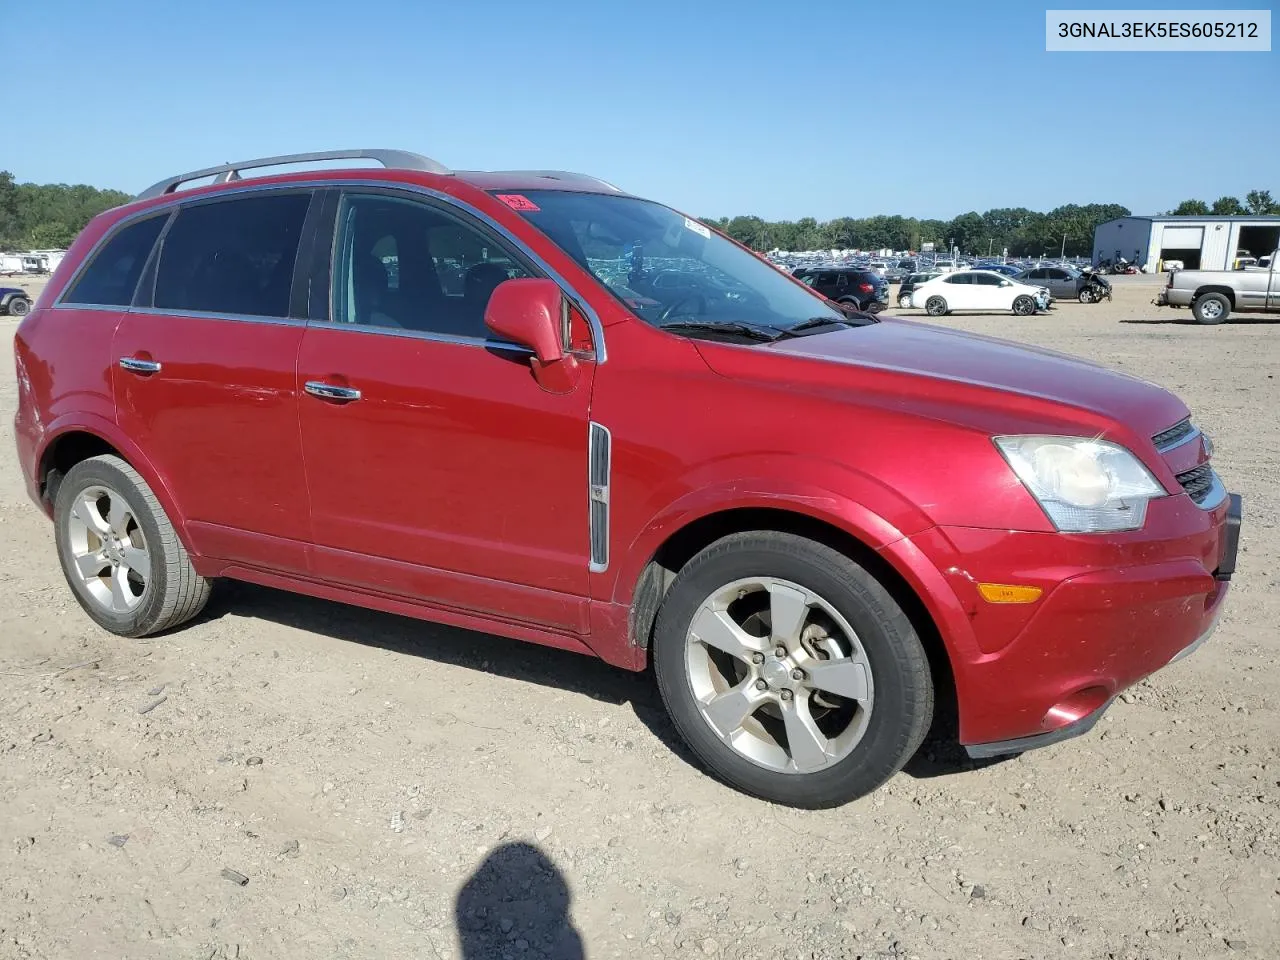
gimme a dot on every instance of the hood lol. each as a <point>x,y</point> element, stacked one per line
<point>895,346</point>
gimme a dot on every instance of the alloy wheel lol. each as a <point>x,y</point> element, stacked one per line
<point>779,675</point>
<point>108,549</point>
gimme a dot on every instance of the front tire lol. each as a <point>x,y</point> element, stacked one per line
<point>19,307</point>
<point>1211,308</point>
<point>790,671</point>
<point>1085,295</point>
<point>935,307</point>
<point>1024,306</point>
<point>120,554</point>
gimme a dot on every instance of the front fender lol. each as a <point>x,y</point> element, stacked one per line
<point>107,431</point>
<point>823,490</point>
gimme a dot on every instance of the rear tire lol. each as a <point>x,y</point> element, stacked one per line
<point>904,302</point>
<point>19,307</point>
<point>936,307</point>
<point>795,740</point>
<point>1211,308</point>
<point>1024,306</point>
<point>120,554</point>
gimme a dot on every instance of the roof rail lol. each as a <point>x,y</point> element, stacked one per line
<point>565,175</point>
<point>397,159</point>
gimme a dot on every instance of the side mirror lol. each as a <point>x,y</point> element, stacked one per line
<point>531,312</point>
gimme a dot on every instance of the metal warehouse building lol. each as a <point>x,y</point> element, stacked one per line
<point>1201,243</point>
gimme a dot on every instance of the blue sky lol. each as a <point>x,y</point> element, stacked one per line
<point>784,110</point>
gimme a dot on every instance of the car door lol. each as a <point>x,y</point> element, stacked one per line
<point>205,375</point>
<point>437,466</point>
<point>988,294</point>
<point>1059,283</point>
<point>958,291</point>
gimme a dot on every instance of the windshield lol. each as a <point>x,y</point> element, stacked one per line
<point>666,268</point>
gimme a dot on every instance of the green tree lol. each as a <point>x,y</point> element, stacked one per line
<point>1259,202</point>
<point>10,228</point>
<point>1226,207</point>
<point>1191,208</point>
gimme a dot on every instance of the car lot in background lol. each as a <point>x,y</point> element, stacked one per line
<point>1005,269</point>
<point>863,289</point>
<point>978,290</point>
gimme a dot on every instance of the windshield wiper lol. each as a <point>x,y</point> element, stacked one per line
<point>817,323</point>
<point>764,334</point>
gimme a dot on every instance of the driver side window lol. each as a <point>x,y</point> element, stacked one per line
<point>404,265</point>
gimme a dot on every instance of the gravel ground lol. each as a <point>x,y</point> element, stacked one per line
<point>389,788</point>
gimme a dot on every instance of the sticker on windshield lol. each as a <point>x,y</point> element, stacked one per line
<point>697,228</point>
<point>518,201</point>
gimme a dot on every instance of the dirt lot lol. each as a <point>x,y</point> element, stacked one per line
<point>394,789</point>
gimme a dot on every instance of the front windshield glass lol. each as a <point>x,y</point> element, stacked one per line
<point>666,268</point>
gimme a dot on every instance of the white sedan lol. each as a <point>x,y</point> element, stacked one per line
<point>983,290</point>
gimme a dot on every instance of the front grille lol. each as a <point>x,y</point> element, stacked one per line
<point>1174,435</point>
<point>1197,482</point>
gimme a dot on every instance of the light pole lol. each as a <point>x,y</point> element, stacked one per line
<point>1063,254</point>
<point>990,241</point>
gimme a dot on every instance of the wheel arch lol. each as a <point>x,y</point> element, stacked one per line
<point>71,441</point>
<point>1225,291</point>
<point>682,544</point>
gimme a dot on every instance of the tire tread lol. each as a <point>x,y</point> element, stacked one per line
<point>186,592</point>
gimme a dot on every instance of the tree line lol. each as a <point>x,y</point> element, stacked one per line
<point>1021,231</point>
<point>48,216</point>
<point>1256,202</point>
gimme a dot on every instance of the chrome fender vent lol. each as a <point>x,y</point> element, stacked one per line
<point>599,463</point>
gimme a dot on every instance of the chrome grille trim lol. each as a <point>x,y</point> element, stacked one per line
<point>1181,432</point>
<point>1203,486</point>
<point>599,468</point>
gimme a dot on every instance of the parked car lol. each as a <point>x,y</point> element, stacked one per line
<point>860,288</point>
<point>1005,269</point>
<point>978,290</point>
<point>813,525</point>
<point>14,301</point>
<point>909,285</point>
<point>1063,283</point>
<point>1213,295</point>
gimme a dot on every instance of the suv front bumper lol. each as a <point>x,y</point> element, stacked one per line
<point>1114,609</point>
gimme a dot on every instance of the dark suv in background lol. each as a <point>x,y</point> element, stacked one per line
<point>850,285</point>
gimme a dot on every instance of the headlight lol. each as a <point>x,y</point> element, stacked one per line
<point>1083,485</point>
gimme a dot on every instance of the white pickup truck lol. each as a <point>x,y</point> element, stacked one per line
<point>1213,295</point>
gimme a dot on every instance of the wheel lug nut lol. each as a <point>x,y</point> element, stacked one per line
<point>780,651</point>
<point>787,694</point>
<point>797,674</point>
<point>757,658</point>
<point>761,685</point>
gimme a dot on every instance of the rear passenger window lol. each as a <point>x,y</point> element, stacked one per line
<point>111,276</point>
<point>232,256</point>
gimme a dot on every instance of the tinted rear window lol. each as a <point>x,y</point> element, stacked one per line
<point>112,275</point>
<point>233,256</point>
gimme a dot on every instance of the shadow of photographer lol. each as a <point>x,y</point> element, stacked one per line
<point>516,904</point>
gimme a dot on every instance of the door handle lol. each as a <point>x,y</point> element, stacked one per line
<point>134,365</point>
<point>330,391</point>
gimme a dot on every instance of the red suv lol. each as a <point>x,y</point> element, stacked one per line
<point>532,404</point>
